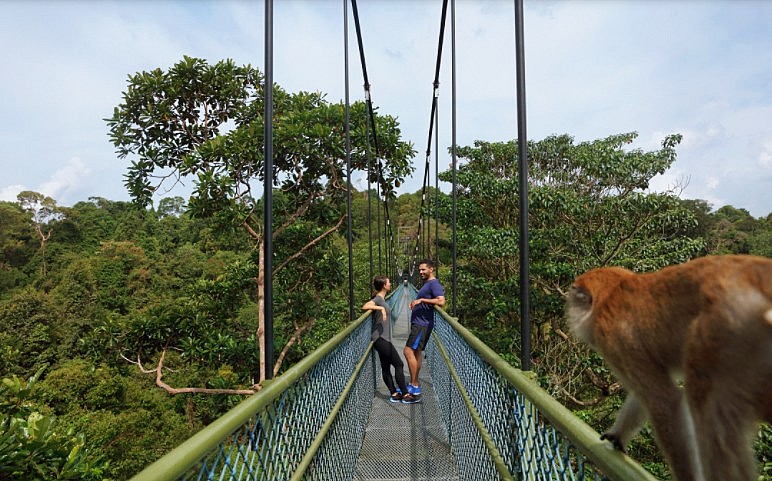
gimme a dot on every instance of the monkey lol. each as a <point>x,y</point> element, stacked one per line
<point>706,323</point>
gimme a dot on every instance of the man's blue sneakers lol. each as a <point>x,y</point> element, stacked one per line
<point>413,395</point>
<point>413,389</point>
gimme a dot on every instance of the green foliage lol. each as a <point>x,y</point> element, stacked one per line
<point>116,414</point>
<point>30,331</point>
<point>588,207</point>
<point>80,386</point>
<point>33,444</point>
<point>17,245</point>
<point>735,231</point>
<point>126,284</point>
<point>763,448</point>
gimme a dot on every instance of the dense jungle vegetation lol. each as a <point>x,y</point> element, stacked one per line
<point>98,297</point>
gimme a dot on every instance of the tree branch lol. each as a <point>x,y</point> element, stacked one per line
<point>299,330</point>
<point>198,390</point>
<point>578,402</point>
<point>302,209</point>
<point>309,245</point>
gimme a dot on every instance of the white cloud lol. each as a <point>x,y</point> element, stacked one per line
<point>64,184</point>
<point>765,156</point>
<point>593,69</point>
<point>65,180</point>
<point>9,193</point>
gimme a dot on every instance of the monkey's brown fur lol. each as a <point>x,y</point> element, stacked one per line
<point>707,321</point>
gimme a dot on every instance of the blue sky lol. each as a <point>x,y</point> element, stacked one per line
<point>701,68</point>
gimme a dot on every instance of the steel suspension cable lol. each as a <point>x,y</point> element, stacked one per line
<point>432,118</point>
<point>349,228</point>
<point>369,200</point>
<point>368,100</point>
<point>453,138</point>
<point>437,184</point>
<point>268,194</point>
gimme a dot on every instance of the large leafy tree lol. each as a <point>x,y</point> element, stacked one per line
<point>735,231</point>
<point>203,124</point>
<point>43,210</point>
<point>588,207</point>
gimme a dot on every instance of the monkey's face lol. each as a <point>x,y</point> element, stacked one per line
<point>579,313</point>
<point>588,291</point>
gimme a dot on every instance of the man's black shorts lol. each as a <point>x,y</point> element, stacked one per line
<point>419,336</point>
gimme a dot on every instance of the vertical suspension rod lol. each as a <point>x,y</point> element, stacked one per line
<point>348,167</point>
<point>522,147</point>
<point>453,136</point>
<point>432,116</point>
<point>268,194</point>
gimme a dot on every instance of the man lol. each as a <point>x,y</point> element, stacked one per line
<point>421,323</point>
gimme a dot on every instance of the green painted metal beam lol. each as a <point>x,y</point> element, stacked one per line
<point>300,471</point>
<point>612,463</point>
<point>498,460</point>
<point>180,459</point>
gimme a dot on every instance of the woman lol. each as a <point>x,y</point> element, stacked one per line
<point>381,336</point>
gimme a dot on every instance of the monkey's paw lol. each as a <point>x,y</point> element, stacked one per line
<point>614,439</point>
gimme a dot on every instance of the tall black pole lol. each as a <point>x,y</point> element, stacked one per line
<point>369,202</point>
<point>522,148</point>
<point>348,166</point>
<point>453,134</point>
<point>268,195</point>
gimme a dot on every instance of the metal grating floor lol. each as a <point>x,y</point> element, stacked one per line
<point>405,441</point>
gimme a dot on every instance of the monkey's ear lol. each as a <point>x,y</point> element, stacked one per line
<point>580,295</point>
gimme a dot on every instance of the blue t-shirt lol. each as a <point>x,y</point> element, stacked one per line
<point>423,314</point>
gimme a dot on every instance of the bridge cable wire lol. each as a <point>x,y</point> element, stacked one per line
<point>349,228</point>
<point>453,144</point>
<point>368,150</point>
<point>268,194</point>
<point>432,119</point>
<point>380,178</point>
<point>369,198</point>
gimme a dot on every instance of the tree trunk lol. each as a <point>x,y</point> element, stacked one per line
<point>261,312</point>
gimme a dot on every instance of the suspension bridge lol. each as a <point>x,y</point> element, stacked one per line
<point>328,418</point>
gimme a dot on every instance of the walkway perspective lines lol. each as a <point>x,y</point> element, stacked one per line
<point>405,441</point>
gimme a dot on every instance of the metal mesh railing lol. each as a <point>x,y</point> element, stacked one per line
<point>502,425</point>
<point>308,424</point>
<point>291,429</point>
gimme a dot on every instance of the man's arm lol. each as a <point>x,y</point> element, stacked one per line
<point>437,301</point>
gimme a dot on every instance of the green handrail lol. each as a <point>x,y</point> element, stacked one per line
<point>613,464</point>
<point>496,457</point>
<point>300,471</point>
<point>175,463</point>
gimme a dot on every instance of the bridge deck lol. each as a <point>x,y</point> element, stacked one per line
<point>405,441</point>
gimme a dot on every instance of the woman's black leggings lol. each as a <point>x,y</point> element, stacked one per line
<point>390,357</point>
